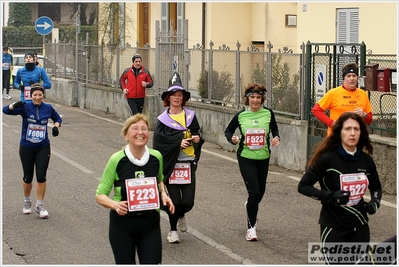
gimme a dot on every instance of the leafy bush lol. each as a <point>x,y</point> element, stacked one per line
<point>285,94</point>
<point>222,85</point>
<point>27,36</point>
<point>259,75</point>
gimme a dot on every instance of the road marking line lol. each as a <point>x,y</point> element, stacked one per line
<point>73,163</point>
<point>214,244</point>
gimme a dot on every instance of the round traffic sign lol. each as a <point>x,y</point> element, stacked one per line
<point>44,25</point>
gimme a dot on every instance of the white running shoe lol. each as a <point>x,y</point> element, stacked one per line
<point>182,224</point>
<point>42,212</point>
<point>173,237</point>
<point>27,207</point>
<point>8,97</point>
<point>251,234</point>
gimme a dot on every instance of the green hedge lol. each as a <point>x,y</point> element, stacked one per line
<point>27,36</point>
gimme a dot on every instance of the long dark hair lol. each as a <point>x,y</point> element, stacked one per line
<point>334,139</point>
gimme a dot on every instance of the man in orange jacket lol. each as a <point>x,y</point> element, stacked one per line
<point>133,82</point>
<point>346,97</point>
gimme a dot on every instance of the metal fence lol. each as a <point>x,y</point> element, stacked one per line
<point>217,75</point>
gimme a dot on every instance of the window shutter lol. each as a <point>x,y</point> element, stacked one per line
<point>341,26</point>
<point>180,17</point>
<point>164,17</point>
<point>354,25</point>
<point>348,25</point>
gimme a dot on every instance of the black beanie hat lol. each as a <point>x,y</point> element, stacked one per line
<point>29,54</point>
<point>136,56</point>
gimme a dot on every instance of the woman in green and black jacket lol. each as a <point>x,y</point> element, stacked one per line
<point>255,124</point>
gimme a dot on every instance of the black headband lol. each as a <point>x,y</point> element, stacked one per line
<point>252,91</point>
<point>349,70</point>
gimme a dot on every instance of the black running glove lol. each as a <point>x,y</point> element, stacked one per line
<point>55,131</point>
<point>21,87</point>
<point>372,206</point>
<point>340,197</point>
<point>18,104</point>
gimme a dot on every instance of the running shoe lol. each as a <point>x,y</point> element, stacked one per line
<point>173,237</point>
<point>8,96</point>
<point>182,224</point>
<point>42,212</point>
<point>251,234</point>
<point>27,207</point>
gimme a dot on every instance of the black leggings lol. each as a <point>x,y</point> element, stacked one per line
<point>6,81</point>
<point>254,173</point>
<point>135,105</point>
<point>360,234</point>
<point>130,233</point>
<point>182,196</point>
<point>35,156</point>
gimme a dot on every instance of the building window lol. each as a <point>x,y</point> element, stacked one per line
<point>172,16</point>
<point>348,25</point>
<point>290,21</point>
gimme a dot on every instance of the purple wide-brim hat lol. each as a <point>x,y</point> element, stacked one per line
<point>175,85</point>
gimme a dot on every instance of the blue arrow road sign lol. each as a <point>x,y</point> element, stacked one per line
<point>44,25</point>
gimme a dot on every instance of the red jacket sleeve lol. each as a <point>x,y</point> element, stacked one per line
<point>318,112</point>
<point>369,118</point>
<point>122,79</point>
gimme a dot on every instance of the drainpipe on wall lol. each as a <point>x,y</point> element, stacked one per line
<point>203,24</point>
<point>203,37</point>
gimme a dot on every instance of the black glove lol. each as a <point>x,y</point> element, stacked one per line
<point>340,197</point>
<point>21,87</point>
<point>55,131</point>
<point>372,206</point>
<point>18,104</point>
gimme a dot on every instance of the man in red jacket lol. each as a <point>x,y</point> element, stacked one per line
<point>346,97</point>
<point>133,82</point>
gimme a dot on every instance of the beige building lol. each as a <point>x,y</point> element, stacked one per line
<point>286,25</point>
<point>283,24</point>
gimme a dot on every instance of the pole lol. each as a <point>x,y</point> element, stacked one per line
<point>77,37</point>
<point>44,48</point>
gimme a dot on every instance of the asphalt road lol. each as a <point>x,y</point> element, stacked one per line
<point>76,233</point>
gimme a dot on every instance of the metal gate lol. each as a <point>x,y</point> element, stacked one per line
<point>171,55</point>
<point>324,62</point>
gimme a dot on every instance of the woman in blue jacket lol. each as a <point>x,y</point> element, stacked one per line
<point>29,75</point>
<point>34,147</point>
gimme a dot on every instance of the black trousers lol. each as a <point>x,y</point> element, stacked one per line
<point>131,234</point>
<point>339,236</point>
<point>183,196</point>
<point>254,173</point>
<point>35,157</point>
<point>6,81</point>
<point>136,105</point>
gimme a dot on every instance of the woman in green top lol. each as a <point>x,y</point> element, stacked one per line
<point>255,124</point>
<point>136,174</point>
